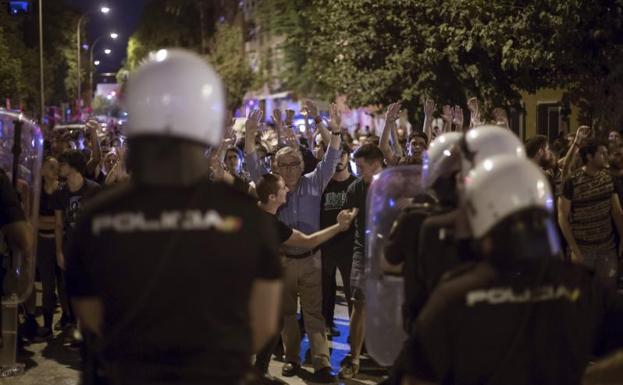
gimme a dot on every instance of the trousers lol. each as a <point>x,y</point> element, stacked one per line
<point>303,279</point>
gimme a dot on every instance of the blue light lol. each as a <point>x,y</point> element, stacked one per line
<point>392,203</point>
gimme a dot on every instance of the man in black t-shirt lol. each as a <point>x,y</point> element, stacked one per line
<point>369,161</point>
<point>67,203</point>
<point>337,253</point>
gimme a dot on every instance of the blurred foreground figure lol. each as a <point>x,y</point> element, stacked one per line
<point>174,278</point>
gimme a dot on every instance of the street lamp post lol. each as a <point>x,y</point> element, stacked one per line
<point>104,10</point>
<point>113,36</point>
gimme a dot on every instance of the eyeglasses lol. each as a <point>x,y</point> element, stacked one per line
<point>289,166</point>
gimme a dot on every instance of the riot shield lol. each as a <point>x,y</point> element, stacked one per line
<point>21,153</point>
<point>390,192</point>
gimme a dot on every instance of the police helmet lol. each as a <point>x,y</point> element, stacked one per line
<point>176,93</point>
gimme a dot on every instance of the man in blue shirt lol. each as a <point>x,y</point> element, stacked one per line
<point>302,267</point>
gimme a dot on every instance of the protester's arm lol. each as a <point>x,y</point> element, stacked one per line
<point>58,237</point>
<point>429,109</point>
<point>446,116</point>
<point>315,114</point>
<point>325,169</point>
<point>251,158</point>
<point>299,239</point>
<point>474,110</point>
<point>564,209</point>
<point>96,152</point>
<point>390,123</point>
<point>457,118</point>
<point>580,136</point>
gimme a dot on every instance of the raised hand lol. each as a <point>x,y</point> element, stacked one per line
<point>474,109</point>
<point>582,134</point>
<point>446,114</point>
<point>393,112</point>
<point>277,118</point>
<point>429,107</point>
<point>253,121</point>
<point>457,117</point>
<point>336,118</point>
<point>500,116</point>
<point>311,108</point>
<point>345,218</point>
<point>289,118</point>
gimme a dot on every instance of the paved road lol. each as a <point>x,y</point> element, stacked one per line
<point>54,363</point>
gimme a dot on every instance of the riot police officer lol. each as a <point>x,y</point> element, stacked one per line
<point>177,275</point>
<point>520,315</point>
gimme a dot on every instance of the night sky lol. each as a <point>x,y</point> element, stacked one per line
<point>122,19</point>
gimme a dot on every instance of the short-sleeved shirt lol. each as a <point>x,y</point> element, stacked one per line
<point>534,322</point>
<point>356,197</point>
<point>333,201</point>
<point>591,209</point>
<point>70,203</point>
<point>10,208</point>
<point>284,232</point>
<point>174,266</point>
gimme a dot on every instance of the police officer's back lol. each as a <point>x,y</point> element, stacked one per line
<point>183,270</point>
<point>522,316</point>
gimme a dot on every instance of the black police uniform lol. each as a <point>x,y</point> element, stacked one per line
<point>173,267</point>
<point>423,239</point>
<point>535,321</point>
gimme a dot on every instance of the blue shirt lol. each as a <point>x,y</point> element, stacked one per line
<point>302,208</point>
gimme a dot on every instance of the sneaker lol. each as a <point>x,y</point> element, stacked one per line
<point>349,370</point>
<point>290,369</point>
<point>325,375</point>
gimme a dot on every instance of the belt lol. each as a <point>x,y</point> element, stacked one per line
<point>304,255</point>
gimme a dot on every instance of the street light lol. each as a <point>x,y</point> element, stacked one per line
<point>104,10</point>
<point>97,62</point>
<point>107,51</point>
<point>112,35</point>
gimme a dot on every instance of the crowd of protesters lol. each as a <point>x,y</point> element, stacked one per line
<point>307,180</point>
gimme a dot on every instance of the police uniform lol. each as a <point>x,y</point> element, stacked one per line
<point>536,321</point>
<point>173,267</point>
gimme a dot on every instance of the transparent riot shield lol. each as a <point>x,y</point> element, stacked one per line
<point>390,192</point>
<point>21,153</point>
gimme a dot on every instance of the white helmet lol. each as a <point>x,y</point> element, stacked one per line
<point>503,185</point>
<point>486,141</point>
<point>176,93</point>
<point>438,156</point>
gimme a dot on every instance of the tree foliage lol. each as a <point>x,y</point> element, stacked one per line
<point>19,55</point>
<point>228,57</point>
<point>195,25</point>
<point>380,51</point>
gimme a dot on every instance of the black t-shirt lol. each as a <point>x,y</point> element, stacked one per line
<point>533,322</point>
<point>10,208</point>
<point>333,201</point>
<point>356,196</point>
<point>284,232</point>
<point>70,203</point>
<point>174,266</point>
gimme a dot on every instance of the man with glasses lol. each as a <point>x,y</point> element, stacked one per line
<point>302,267</point>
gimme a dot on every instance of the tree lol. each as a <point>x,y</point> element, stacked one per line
<point>174,23</point>
<point>10,72</point>
<point>228,57</point>
<point>380,51</point>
